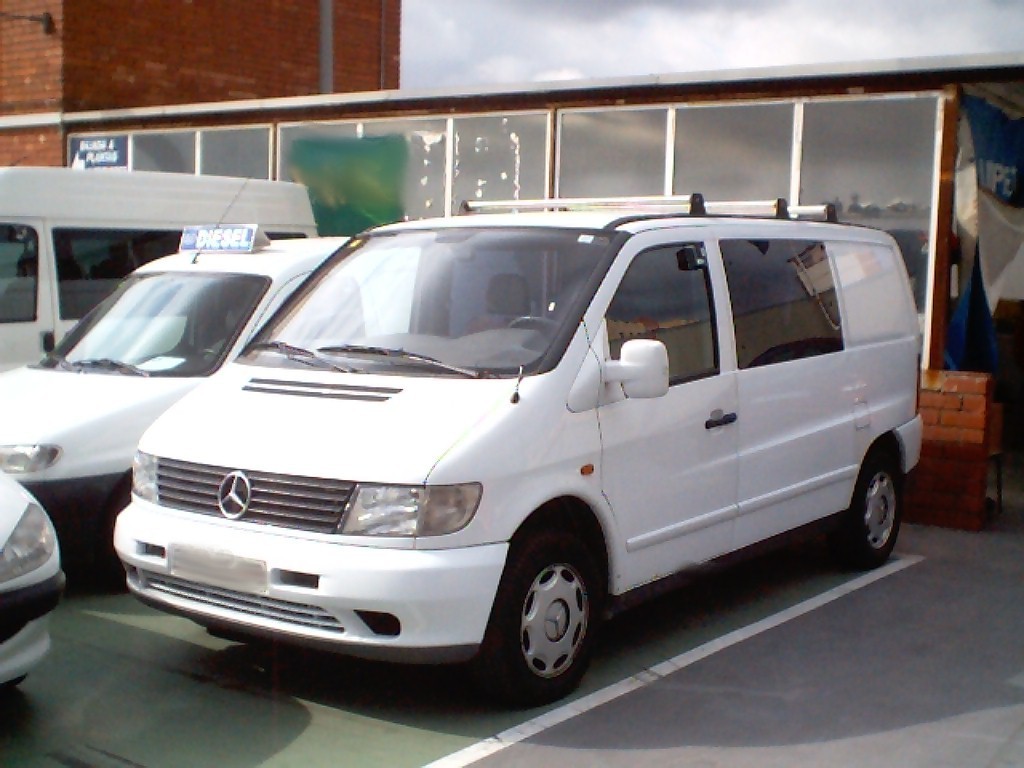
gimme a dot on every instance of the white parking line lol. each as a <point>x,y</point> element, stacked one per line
<point>570,710</point>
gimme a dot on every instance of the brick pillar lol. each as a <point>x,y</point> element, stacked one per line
<point>948,487</point>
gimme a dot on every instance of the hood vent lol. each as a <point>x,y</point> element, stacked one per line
<point>332,391</point>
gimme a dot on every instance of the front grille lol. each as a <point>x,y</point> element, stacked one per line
<point>258,606</point>
<point>289,501</point>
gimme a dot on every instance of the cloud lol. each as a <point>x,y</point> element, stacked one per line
<point>462,43</point>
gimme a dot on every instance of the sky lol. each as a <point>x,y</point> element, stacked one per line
<point>463,44</point>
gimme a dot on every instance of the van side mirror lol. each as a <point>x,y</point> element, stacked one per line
<point>642,368</point>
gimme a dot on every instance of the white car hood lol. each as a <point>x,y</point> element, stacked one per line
<point>359,427</point>
<point>96,418</point>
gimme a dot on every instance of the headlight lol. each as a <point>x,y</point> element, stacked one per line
<point>416,510</point>
<point>18,459</point>
<point>30,544</point>
<point>144,476</point>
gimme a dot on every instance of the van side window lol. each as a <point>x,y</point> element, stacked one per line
<point>91,262</point>
<point>783,300</point>
<point>666,295</point>
<point>19,264</point>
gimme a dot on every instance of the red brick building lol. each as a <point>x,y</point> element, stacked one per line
<point>59,56</point>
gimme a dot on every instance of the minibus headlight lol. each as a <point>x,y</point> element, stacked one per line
<point>19,459</point>
<point>144,476</point>
<point>30,545</point>
<point>410,510</point>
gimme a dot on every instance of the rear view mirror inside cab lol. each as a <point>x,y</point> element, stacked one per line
<point>691,258</point>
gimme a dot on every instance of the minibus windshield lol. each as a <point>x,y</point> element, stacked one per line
<point>445,302</point>
<point>161,324</point>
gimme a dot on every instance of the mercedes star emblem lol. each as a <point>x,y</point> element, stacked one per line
<point>234,495</point>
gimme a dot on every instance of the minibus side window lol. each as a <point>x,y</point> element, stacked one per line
<point>91,262</point>
<point>19,264</point>
<point>666,295</point>
<point>783,300</point>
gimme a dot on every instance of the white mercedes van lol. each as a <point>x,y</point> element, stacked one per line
<point>529,419</point>
<point>68,237</point>
<point>72,422</point>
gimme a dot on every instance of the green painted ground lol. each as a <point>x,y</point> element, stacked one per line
<point>128,686</point>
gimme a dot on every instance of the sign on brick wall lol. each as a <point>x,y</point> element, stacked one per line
<point>99,152</point>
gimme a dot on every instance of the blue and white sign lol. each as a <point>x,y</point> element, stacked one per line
<point>223,239</point>
<point>997,204</point>
<point>998,150</point>
<point>99,152</point>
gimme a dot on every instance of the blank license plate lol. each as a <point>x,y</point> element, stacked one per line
<point>219,568</point>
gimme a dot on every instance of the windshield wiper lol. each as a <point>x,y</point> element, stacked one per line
<point>108,364</point>
<point>411,357</point>
<point>60,362</point>
<point>300,355</point>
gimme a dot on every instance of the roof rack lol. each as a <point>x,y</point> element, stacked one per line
<point>825,211</point>
<point>693,205</point>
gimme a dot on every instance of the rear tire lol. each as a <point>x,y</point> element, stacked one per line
<point>539,638</point>
<point>868,528</point>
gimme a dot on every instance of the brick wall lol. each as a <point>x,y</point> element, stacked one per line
<point>36,146</point>
<point>948,487</point>
<point>131,53</point>
<point>367,39</point>
<point>30,59</point>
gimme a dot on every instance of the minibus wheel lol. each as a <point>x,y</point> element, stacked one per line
<point>540,634</point>
<point>868,528</point>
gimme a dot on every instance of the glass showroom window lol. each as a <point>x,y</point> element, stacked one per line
<point>239,152</point>
<point>500,157</point>
<point>173,152</point>
<point>875,159</point>
<point>612,153</point>
<point>426,166</point>
<point>738,152</point>
<point>364,174</point>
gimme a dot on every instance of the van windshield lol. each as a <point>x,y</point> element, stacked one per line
<point>161,324</point>
<point>466,301</point>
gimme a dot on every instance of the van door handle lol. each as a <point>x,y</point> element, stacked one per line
<point>719,419</point>
<point>47,341</point>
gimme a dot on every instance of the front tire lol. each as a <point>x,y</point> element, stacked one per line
<point>868,528</point>
<point>539,638</point>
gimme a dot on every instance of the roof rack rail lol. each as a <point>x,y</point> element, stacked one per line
<point>693,203</point>
<point>825,211</point>
<point>777,208</point>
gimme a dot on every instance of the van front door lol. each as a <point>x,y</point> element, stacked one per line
<point>669,463</point>
<point>27,321</point>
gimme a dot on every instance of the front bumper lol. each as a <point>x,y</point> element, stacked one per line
<point>394,604</point>
<point>24,620</point>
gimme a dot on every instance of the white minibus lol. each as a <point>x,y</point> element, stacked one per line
<point>72,421</point>
<point>68,237</point>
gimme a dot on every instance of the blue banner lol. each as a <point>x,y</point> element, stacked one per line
<point>998,150</point>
